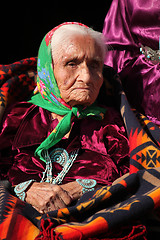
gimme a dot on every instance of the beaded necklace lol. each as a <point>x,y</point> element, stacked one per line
<point>61,156</point>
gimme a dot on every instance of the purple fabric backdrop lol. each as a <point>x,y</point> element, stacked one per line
<point>128,25</point>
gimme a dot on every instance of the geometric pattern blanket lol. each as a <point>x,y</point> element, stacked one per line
<point>129,209</point>
<point>16,81</point>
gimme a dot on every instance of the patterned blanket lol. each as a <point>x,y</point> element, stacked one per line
<point>129,209</point>
<point>17,82</point>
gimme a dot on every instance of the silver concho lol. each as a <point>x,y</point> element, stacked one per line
<point>59,155</point>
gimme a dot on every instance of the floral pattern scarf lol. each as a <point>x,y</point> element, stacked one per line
<point>47,96</point>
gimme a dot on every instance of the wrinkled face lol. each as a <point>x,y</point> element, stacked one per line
<point>78,70</point>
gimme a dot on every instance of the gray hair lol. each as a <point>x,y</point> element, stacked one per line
<point>64,33</point>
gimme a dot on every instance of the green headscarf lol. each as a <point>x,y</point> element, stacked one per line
<point>47,96</point>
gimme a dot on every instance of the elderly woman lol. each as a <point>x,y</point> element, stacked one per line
<point>62,143</point>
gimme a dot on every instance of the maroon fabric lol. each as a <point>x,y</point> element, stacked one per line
<point>128,25</point>
<point>104,149</point>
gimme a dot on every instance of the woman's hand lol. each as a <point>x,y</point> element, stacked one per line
<point>46,197</point>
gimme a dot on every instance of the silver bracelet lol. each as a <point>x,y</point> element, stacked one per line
<point>87,184</point>
<point>20,189</point>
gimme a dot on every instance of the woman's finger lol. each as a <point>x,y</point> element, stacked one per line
<point>36,201</point>
<point>57,202</point>
<point>62,197</point>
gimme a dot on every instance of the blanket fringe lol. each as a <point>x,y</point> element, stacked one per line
<point>47,232</point>
<point>137,232</point>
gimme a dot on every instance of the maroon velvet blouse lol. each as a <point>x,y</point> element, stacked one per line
<point>104,148</point>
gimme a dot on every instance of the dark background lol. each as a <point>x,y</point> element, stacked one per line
<point>23,26</point>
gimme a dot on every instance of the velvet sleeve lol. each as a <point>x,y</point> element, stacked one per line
<point>117,147</point>
<point>107,146</point>
<point>116,142</point>
<point>11,121</point>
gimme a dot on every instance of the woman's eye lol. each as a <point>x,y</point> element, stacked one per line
<point>71,64</point>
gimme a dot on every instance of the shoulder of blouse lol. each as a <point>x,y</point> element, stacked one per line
<point>18,125</point>
<point>112,116</point>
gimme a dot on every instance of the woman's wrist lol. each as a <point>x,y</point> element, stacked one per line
<point>77,188</point>
<point>74,189</point>
<point>87,184</point>
<point>21,188</point>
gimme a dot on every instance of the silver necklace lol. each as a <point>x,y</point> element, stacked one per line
<point>62,157</point>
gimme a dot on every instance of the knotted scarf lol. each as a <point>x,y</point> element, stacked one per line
<point>47,96</point>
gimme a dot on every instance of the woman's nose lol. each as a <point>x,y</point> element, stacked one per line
<point>85,74</point>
